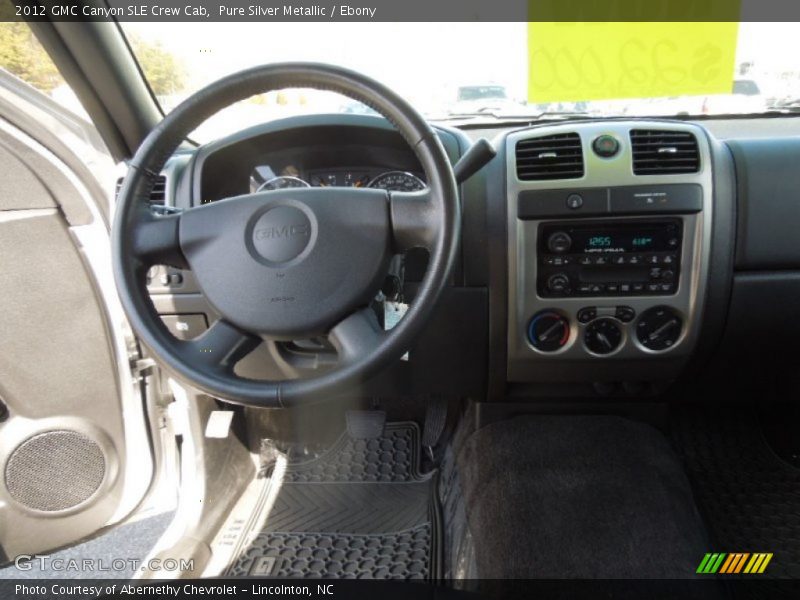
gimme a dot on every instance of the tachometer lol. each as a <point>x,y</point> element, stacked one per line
<point>281,183</point>
<point>397,181</point>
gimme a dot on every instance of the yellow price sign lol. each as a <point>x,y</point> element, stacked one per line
<point>608,60</point>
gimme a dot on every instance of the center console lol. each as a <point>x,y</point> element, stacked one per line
<point>608,249</point>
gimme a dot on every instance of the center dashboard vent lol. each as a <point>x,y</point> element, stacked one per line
<point>157,194</point>
<point>664,152</point>
<point>557,156</point>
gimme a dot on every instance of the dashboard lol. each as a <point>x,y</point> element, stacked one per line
<point>597,256</point>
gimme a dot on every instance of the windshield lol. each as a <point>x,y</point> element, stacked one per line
<point>444,77</point>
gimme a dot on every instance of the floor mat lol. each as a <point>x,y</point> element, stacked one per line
<point>750,498</point>
<point>360,510</point>
<point>579,496</point>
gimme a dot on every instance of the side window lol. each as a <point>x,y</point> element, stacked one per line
<point>23,56</point>
<point>55,107</point>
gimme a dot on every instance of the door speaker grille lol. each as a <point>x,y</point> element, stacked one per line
<point>55,470</point>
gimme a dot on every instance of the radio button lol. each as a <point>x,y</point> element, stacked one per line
<point>612,288</point>
<point>625,314</point>
<point>585,260</point>
<point>653,287</point>
<point>587,314</point>
<point>574,201</point>
<point>666,287</point>
<point>597,288</point>
<point>669,259</point>
<point>634,259</point>
<point>600,260</point>
<point>652,259</point>
<point>619,260</point>
<point>638,287</point>
<point>584,288</point>
<point>667,274</point>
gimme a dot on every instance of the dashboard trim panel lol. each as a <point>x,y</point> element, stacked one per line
<point>525,363</point>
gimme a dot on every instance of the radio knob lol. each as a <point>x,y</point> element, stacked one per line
<point>559,242</point>
<point>558,284</point>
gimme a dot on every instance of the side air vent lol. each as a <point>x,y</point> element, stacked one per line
<point>157,194</point>
<point>551,157</point>
<point>660,152</point>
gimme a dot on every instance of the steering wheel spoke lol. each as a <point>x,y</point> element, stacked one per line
<point>356,336</point>
<point>156,241</point>
<point>415,220</point>
<point>221,346</point>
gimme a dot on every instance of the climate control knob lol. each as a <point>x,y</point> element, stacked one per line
<point>559,242</point>
<point>548,331</point>
<point>602,336</point>
<point>659,328</point>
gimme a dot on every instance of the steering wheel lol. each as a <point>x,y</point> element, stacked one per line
<point>285,264</point>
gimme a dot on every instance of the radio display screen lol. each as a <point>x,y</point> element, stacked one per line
<point>615,238</point>
<point>603,241</point>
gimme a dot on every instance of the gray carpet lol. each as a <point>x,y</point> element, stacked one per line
<point>579,496</point>
<point>131,541</point>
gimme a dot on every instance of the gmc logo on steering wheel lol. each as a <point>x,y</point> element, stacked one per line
<point>286,231</point>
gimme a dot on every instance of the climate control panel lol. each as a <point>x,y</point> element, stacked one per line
<point>604,330</point>
<point>607,268</point>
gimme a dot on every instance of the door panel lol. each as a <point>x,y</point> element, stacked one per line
<point>66,452</point>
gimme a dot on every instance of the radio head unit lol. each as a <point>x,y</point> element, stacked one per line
<point>602,258</point>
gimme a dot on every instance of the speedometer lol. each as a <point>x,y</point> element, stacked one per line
<point>281,183</point>
<point>397,181</point>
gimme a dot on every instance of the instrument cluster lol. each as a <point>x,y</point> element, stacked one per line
<point>264,179</point>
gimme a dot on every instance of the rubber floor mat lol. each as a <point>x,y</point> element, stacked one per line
<point>749,497</point>
<point>362,509</point>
